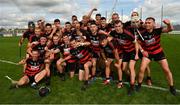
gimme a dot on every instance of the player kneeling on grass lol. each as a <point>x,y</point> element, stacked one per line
<point>81,52</point>
<point>70,64</point>
<point>109,52</point>
<point>152,49</point>
<point>34,71</point>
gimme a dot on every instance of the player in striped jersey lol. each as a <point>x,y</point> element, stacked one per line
<point>152,49</point>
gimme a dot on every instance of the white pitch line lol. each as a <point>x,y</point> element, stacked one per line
<point>151,87</point>
<point>155,87</point>
<point>9,62</point>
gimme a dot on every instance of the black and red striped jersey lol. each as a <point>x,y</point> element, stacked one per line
<point>109,49</point>
<point>81,53</point>
<point>69,33</point>
<point>125,40</point>
<point>65,50</point>
<point>79,37</point>
<point>27,34</point>
<point>54,47</point>
<point>106,28</point>
<point>34,38</point>
<point>94,40</point>
<point>151,42</point>
<point>33,67</point>
<point>40,48</point>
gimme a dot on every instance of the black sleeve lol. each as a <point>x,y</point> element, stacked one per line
<point>111,33</point>
<point>41,61</point>
<point>127,24</point>
<point>158,31</point>
<point>28,61</point>
<point>25,35</point>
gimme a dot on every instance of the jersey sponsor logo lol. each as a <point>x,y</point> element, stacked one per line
<point>79,55</point>
<point>95,43</point>
<point>151,41</point>
<point>34,67</point>
<point>108,50</point>
<point>66,50</point>
<point>121,42</point>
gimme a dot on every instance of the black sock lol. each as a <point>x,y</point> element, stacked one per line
<point>171,87</point>
<point>148,78</point>
<point>120,81</point>
<point>86,82</point>
<point>132,86</point>
<point>139,84</point>
<point>107,78</point>
<point>61,74</point>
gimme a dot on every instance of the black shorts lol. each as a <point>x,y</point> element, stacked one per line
<point>109,55</point>
<point>81,66</point>
<point>31,79</point>
<point>140,55</point>
<point>95,55</point>
<point>70,66</point>
<point>121,56</point>
<point>157,57</point>
<point>128,56</point>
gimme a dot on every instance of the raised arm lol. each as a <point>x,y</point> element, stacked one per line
<point>90,13</point>
<point>168,27</point>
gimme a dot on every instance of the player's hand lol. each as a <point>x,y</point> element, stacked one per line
<point>166,21</point>
<point>19,44</point>
<point>145,54</point>
<point>136,57</point>
<point>94,9</point>
<point>46,48</point>
<point>52,51</point>
<point>36,42</point>
<point>51,56</point>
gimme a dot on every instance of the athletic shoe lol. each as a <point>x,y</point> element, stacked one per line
<point>138,88</point>
<point>92,79</point>
<point>173,91</point>
<point>120,85</point>
<point>62,78</point>
<point>84,87</point>
<point>13,84</point>
<point>149,82</point>
<point>130,92</point>
<point>106,82</point>
<point>34,85</point>
<point>47,82</point>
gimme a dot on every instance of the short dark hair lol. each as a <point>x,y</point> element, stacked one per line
<point>35,50</point>
<point>48,24</point>
<point>103,18</point>
<point>56,20</point>
<point>118,21</point>
<point>92,22</point>
<point>115,14</point>
<point>102,37</point>
<point>43,36</point>
<point>67,23</point>
<point>135,12</point>
<point>151,18</point>
<point>74,16</point>
<point>72,39</point>
<point>98,14</point>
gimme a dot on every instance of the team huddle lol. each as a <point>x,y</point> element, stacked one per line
<point>89,47</point>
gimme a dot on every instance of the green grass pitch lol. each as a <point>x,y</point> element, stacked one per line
<point>68,92</point>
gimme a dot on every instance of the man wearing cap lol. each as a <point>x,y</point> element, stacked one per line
<point>29,32</point>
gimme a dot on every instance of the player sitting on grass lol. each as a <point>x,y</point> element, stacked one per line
<point>34,71</point>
